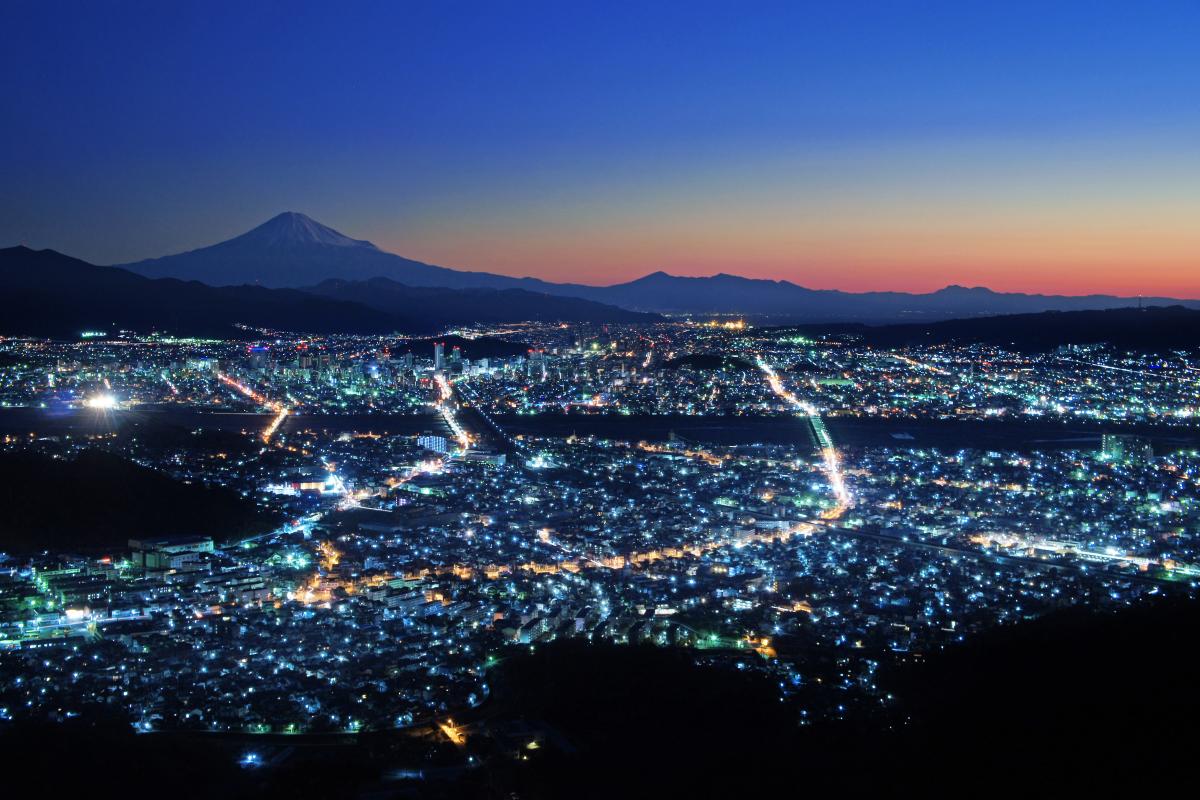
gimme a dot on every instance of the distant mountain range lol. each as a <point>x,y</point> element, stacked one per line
<point>292,250</point>
<point>1153,329</point>
<point>292,273</point>
<point>49,294</point>
<point>785,301</point>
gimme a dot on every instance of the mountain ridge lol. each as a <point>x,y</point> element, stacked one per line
<point>295,251</point>
<point>1147,329</point>
<point>51,294</point>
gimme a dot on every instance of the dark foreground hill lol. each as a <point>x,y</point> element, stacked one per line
<point>100,501</point>
<point>1081,698</point>
<point>1150,329</point>
<point>1109,692</point>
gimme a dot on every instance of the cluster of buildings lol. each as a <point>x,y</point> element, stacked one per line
<point>669,368</point>
<point>422,545</point>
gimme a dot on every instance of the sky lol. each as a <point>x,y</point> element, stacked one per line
<point>1041,147</point>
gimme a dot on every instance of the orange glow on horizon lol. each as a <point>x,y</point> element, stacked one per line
<point>1130,260</point>
<point>1174,275</point>
<point>1064,217</point>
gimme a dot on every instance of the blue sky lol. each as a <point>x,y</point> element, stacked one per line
<point>1045,146</point>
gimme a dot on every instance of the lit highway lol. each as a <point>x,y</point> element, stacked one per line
<point>443,405</point>
<point>829,454</point>
<point>280,409</point>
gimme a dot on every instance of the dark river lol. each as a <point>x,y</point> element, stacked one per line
<point>88,421</point>
<point>846,432</point>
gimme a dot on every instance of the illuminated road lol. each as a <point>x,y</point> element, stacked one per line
<point>912,362</point>
<point>246,391</point>
<point>276,421</point>
<point>471,400</point>
<point>1160,375</point>
<point>1005,559</point>
<point>281,410</point>
<point>453,732</point>
<point>829,454</point>
<point>444,408</point>
<point>1017,542</point>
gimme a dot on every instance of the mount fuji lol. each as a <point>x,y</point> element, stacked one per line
<point>292,250</point>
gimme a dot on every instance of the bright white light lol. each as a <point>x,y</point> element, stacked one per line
<point>101,401</point>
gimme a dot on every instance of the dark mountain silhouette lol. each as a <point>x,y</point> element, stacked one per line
<point>1149,329</point>
<point>464,306</point>
<point>731,294</point>
<point>292,250</point>
<point>1080,699</point>
<point>49,294</point>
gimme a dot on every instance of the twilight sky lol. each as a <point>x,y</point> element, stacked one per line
<point>1042,146</point>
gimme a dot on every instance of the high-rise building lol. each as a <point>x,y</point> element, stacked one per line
<point>438,444</point>
<point>1126,449</point>
<point>439,355</point>
<point>1111,446</point>
<point>259,356</point>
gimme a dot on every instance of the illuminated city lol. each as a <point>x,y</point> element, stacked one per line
<point>433,543</point>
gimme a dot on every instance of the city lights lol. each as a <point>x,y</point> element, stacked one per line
<point>102,402</point>
<point>614,486</point>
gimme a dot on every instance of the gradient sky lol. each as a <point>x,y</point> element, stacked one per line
<point>1044,146</point>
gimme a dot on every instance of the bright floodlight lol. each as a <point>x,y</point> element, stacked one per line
<point>101,401</point>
